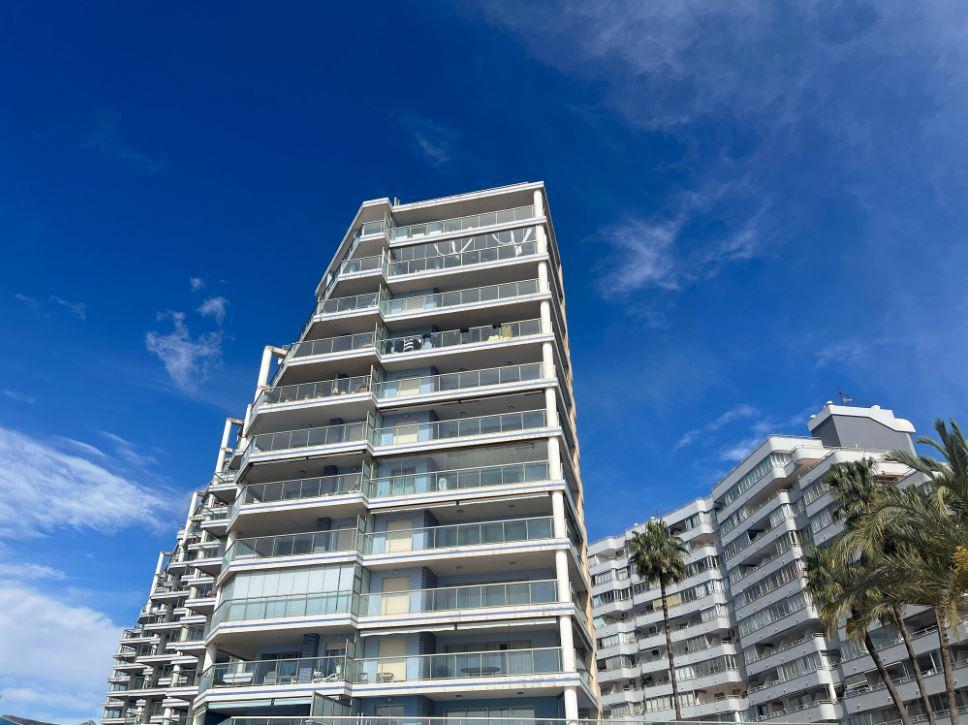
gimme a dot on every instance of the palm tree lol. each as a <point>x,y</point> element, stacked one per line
<point>659,556</point>
<point>835,593</point>
<point>855,490</point>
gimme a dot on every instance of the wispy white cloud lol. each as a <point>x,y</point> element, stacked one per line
<point>17,396</point>
<point>642,254</point>
<point>737,412</point>
<point>32,304</point>
<point>794,424</point>
<point>78,309</point>
<point>196,283</point>
<point>33,625</point>
<point>27,571</point>
<point>83,447</point>
<point>108,138</point>
<point>45,488</point>
<point>214,307</point>
<point>433,141</point>
<point>132,453</point>
<point>187,359</point>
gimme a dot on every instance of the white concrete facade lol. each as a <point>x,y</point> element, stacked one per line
<point>747,621</point>
<point>395,525</point>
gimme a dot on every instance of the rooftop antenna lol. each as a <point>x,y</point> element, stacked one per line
<point>844,398</point>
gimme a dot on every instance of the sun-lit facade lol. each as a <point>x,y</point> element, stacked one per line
<point>748,643</point>
<point>395,525</point>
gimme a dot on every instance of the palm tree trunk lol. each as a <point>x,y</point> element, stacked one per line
<point>906,636</point>
<point>672,663</point>
<point>949,685</point>
<point>888,680</point>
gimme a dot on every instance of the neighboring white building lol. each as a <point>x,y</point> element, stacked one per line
<point>395,527</point>
<point>748,643</point>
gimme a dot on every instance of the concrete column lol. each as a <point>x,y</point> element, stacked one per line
<point>539,209</point>
<point>554,459</point>
<point>571,703</point>
<point>551,407</point>
<point>226,434</point>
<point>563,577</point>
<point>248,417</point>
<point>548,360</point>
<point>543,277</point>
<point>264,368</point>
<point>567,644</point>
<point>546,328</point>
<point>541,239</point>
<point>558,514</point>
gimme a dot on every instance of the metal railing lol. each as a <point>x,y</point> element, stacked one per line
<point>496,663</point>
<point>273,672</point>
<point>453,338</point>
<point>443,599</point>
<point>337,305</point>
<point>302,488</point>
<point>474,221</point>
<point>439,537</point>
<point>461,478</point>
<point>307,437</point>
<point>459,428</point>
<point>464,380</point>
<point>313,391</point>
<point>435,262</point>
<point>310,542</point>
<point>329,345</point>
<point>490,293</point>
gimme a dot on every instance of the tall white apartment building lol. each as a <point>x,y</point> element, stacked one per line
<point>394,527</point>
<point>747,641</point>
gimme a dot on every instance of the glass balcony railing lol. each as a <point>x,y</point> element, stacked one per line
<point>462,478</point>
<point>491,293</point>
<point>448,226</point>
<point>212,550</point>
<point>291,605</point>
<point>462,252</point>
<point>465,380</point>
<point>329,345</point>
<point>459,428</point>
<point>336,305</point>
<point>313,391</point>
<point>360,264</point>
<point>368,228</point>
<point>310,542</point>
<point>303,488</point>
<point>502,663</point>
<point>442,537</point>
<point>305,670</point>
<point>447,599</point>
<point>308,437</point>
<point>452,338</point>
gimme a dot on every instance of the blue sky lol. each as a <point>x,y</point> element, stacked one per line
<point>757,204</point>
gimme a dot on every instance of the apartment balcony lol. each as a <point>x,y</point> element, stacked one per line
<point>775,689</point>
<point>876,697</point>
<point>772,655</point>
<point>412,487</point>
<point>478,601</point>
<point>308,673</point>
<point>316,610</point>
<point>322,440</point>
<point>357,395</point>
<point>206,557</point>
<point>483,344</point>
<point>481,429</point>
<point>817,709</point>
<point>309,547</point>
<point>454,227</point>
<point>924,640</point>
<point>527,668</point>
<point>272,501</point>
<point>388,548</point>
